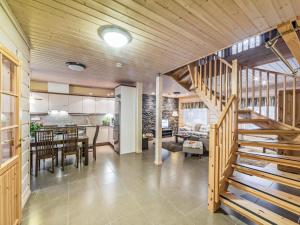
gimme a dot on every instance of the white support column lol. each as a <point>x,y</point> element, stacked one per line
<point>138,122</point>
<point>158,117</point>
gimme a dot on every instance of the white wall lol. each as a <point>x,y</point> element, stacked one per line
<point>12,39</point>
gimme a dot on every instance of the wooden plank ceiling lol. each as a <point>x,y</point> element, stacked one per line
<point>166,34</point>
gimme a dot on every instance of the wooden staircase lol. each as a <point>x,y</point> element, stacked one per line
<point>251,155</point>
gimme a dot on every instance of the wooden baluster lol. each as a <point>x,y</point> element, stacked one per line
<point>253,88</point>
<point>213,180</point>
<point>205,78</point>
<point>275,103</point>
<point>196,72</point>
<point>216,81</point>
<point>260,92</point>
<point>221,94</point>
<point>284,99</point>
<point>268,94</point>
<point>210,79</point>
<point>201,73</point>
<point>226,83</point>
<point>241,85</point>
<point>294,101</point>
<point>247,86</point>
<point>224,142</point>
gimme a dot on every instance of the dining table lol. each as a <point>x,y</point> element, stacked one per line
<point>58,140</point>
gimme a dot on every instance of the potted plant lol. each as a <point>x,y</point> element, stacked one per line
<point>34,127</point>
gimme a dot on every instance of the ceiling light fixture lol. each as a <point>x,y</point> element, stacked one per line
<point>114,36</point>
<point>76,66</point>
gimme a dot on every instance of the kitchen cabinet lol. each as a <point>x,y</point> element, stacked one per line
<point>111,135</point>
<point>103,134</point>
<point>75,104</point>
<point>101,105</point>
<point>89,105</point>
<point>58,102</point>
<point>42,103</point>
<point>38,102</point>
<point>111,106</point>
<point>105,105</point>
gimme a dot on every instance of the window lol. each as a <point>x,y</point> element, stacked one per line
<point>252,42</point>
<point>193,116</point>
<point>234,49</point>
<point>245,44</point>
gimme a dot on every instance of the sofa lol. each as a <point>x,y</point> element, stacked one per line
<point>197,130</point>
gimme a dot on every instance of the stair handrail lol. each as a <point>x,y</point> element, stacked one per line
<point>223,144</point>
<point>268,89</point>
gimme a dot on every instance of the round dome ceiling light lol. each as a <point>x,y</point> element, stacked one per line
<point>76,66</point>
<point>114,36</point>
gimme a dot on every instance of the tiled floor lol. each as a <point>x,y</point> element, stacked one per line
<point>127,190</point>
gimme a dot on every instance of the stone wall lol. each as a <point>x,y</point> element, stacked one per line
<point>169,105</point>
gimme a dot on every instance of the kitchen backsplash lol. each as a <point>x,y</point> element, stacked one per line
<point>62,119</point>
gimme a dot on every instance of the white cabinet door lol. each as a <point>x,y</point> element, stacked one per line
<point>111,135</point>
<point>58,102</point>
<point>38,102</point>
<point>111,106</point>
<point>89,105</point>
<point>101,105</point>
<point>75,104</point>
<point>103,134</point>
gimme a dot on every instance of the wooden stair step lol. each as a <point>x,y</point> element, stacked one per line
<point>278,159</point>
<point>269,132</point>
<point>253,120</point>
<point>272,145</point>
<point>244,111</point>
<point>273,196</point>
<point>252,211</point>
<point>284,178</point>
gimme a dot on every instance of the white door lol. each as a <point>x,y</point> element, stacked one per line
<point>38,102</point>
<point>75,104</point>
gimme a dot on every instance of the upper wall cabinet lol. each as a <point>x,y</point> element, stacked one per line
<point>75,104</point>
<point>42,103</point>
<point>89,105</point>
<point>105,105</point>
<point>58,102</point>
<point>38,102</point>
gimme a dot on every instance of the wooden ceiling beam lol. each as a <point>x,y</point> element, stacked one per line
<point>291,38</point>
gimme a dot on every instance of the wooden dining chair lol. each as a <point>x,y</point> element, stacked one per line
<point>70,145</point>
<point>92,147</point>
<point>44,148</point>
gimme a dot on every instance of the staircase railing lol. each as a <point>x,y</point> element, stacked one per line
<point>223,143</point>
<point>271,94</point>
<point>213,77</point>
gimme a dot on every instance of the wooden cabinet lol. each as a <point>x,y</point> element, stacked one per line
<point>58,102</point>
<point>38,102</point>
<point>89,105</point>
<point>75,104</point>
